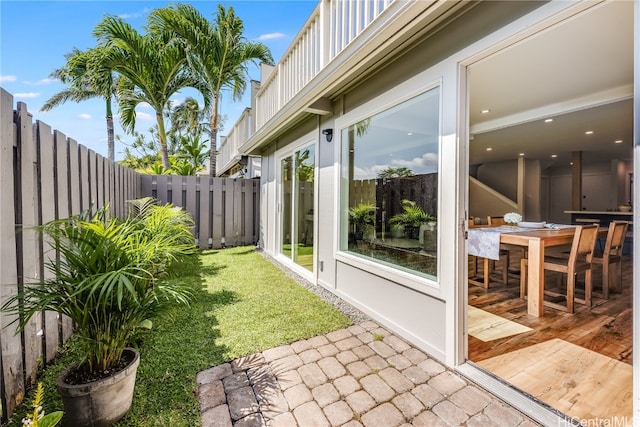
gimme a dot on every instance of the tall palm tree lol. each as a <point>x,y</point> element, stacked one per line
<point>87,77</point>
<point>218,54</point>
<point>188,117</point>
<point>152,69</point>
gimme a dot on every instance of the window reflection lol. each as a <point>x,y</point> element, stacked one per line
<point>390,185</point>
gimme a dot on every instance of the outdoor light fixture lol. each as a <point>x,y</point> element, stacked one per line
<point>328,133</point>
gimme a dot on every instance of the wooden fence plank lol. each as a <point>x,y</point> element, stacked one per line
<point>189,184</point>
<point>101,182</point>
<point>70,187</point>
<point>162,188</point>
<point>83,182</point>
<point>10,342</point>
<point>218,214</point>
<point>247,212</point>
<point>47,213</point>
<point>205,212</point>
<point>71,171</point>
<point>229,218</point>
<point>91,176</point>
<point>27,236</point>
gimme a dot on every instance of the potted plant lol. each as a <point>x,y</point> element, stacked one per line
<point>412,218</point>
<point>108,281</point>
<point>362,219</point>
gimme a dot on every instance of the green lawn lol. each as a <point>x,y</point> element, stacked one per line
<point>244,304</point>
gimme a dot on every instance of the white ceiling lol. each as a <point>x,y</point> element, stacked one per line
<point>580,73</point>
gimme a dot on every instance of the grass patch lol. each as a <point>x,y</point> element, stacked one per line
<point>244,304</point>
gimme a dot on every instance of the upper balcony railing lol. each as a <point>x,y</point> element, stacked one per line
<point>331,27</point>
<point>239,133</point>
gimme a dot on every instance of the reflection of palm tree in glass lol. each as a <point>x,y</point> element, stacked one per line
<point>304,168</point>
<point>392,172</point>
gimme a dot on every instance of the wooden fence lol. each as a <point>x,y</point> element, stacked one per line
<point>225,210</point>
<point>44,176</point>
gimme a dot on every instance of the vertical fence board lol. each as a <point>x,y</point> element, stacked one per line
<point>91,176</point>
<point>205,212</point>
<point>70,173</point>
<point>100,180</point>
<point>162,187</point>
<point>229,220</point>
<point>83,182</point>
<point>70,183</point>
<point>10,342</point>
<point>188,184</point>
<point>28,156</point>
<point>247,212</point>
<point>47,213</point>
<point>218,214</point>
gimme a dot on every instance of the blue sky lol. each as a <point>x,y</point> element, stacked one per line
<point>35,36</point>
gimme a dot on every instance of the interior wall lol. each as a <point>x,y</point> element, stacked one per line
<point>501,176</point>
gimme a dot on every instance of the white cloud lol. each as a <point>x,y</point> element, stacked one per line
<point>143,116</point>
<point>175,102</point>
<point>144,105</point>
<point>271,36</point>
<point>138,14</point>
<point>427,159</point>
<point>26,95</point>
<point>84,116</point>
<point>370,172</point>
<point>40,82</point>
<point>6,79</point>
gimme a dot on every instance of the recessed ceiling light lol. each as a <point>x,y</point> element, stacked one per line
<point>485,111</point>
<point>521,154</point>
<point>618,141</point>
<point>554,156</point>
<point>589,132</point>
<point>409,133</point>
<point>489,148</point>
<point>548,120</point>
<point>571,163</point>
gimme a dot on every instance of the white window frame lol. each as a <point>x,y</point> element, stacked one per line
<point>308,140</point>
<point>400,93</point>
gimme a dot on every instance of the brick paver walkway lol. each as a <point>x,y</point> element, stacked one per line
<point>358,376</point>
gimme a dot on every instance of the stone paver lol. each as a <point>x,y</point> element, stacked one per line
<point>359,376</point>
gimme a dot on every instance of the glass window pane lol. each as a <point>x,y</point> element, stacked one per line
<point>304,201</point>
<point>286,186</point>
<point>389,184</point>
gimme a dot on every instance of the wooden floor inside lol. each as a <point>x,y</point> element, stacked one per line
<point>605,328</point>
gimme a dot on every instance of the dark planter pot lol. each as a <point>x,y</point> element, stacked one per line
<point>100,403</point>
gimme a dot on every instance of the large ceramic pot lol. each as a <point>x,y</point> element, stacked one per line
<point>100,403</point>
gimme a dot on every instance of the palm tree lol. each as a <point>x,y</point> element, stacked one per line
<point>87,77</point>
<point>218,54</point>
<point>152,69</point>
<point>188,118</point>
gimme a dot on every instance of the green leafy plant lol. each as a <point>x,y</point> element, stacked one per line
<point>108,276</point>
<point>362,214</point>
<point>412,216</point>
<point>37,417</point>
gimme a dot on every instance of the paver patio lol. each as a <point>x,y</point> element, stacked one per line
<point>359,376</point>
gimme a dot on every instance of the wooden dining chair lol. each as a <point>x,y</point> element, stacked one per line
<point>612,255</point>
<point>505,250</point>
<point>579,261</point>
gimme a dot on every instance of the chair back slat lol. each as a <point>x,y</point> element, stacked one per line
<point>584,243</point>
<point>495,220</point>
<point>615,238</point>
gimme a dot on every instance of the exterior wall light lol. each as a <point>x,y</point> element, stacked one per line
<point>328,133</point>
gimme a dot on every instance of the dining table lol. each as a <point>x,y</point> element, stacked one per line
<point>535,240</point>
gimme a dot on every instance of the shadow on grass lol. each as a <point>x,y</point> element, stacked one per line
<point>243,252</point>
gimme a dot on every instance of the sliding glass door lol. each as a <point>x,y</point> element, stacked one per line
<point>296,217</point>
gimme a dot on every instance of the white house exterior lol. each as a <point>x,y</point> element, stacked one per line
<point>372,85</point>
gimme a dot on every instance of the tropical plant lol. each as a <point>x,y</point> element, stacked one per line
<point>412,216</point>
<point>392,172</point>
<point>187,118</point>
<point>88,76</point>
<point>37,417</point>
<point>218,54</point>
<point>192,151</point>
<point>362,214</point>
<point>152,70</point>
<point>108,278</point>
